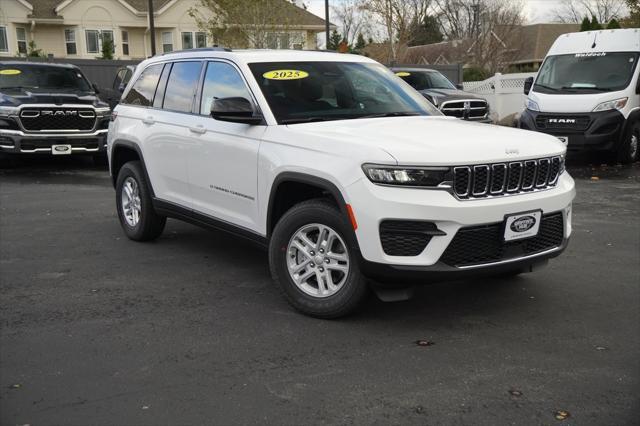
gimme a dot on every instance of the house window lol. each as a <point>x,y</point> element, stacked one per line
<point>21,37</point>
<point>107,35</point>
<point>167,42</point>
<point>284,40</point>
<point>70,41</point>
<point>187,40</point>
<point>125,43</point>
<point>4,46</point>
<point>201,39</point>
<point>93,41</point>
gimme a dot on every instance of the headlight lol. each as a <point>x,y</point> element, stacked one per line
<point>532,105</point>
<point>609,105</point>
<point>407,176</point>
<point>6,111</point>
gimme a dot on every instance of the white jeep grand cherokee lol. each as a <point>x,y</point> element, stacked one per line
<point>351,178</point>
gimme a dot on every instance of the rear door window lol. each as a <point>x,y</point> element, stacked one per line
<point>181,86</point>
<point>144,88</point>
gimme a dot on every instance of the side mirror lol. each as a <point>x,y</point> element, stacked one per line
<point>95,88</point>
<point>235,110</point>
<point>459,86</point>
<point>121,87</point>
<point>528,82</point>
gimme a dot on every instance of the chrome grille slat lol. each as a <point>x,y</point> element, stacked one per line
<point>500,179</point>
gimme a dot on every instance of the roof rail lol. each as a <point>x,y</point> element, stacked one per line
<point>200,49</point>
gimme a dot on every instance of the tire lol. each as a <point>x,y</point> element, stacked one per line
<point>629,149</point>
<point>349,286</point>
<point>149,225</point>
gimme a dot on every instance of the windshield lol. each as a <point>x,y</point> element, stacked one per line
<point>586,72</point>
<point>300,92</point>
<point>42,78</point>
<point>423,80</point>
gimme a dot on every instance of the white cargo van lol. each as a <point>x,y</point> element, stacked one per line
<point>587,93</point>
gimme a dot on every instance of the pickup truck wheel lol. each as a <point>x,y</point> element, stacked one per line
<point>139,220</point>
<point>629,150</point>
<point>312,261</point>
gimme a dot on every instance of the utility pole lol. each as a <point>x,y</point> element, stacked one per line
<point>152,29</point>
<point>326,23</point>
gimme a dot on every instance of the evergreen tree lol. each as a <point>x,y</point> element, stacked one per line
<point>425,32</point>
<point>360,42</point>
<point>586,25</point>
<point>334,40</point>
<point>107,48</point>
<point>613,24</point>
<point>595,25</point>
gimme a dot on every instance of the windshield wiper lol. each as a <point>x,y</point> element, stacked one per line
<point>390,114</point>
<point>307,120</point>
<point>554,89</point>
<point>597,89</point>
<point>16,87</point>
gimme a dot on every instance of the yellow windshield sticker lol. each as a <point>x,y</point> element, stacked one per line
<point>10,72</point>
<point>285,75</point>
<point>403,74</point>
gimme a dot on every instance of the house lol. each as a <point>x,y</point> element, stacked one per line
<point>77,28</point>
<point>520,48</point>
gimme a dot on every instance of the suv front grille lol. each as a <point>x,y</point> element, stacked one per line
<point>476,109</point>
<point>472,182</point>
<point>57,119</point>
<point>476,245</point>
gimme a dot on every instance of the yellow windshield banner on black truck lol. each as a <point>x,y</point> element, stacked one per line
<point>285,75</point>
<point>10,72</point>
<point>403,74</point>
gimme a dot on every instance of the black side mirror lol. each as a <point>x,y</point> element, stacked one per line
<point>95,88</point>
<point>235,110</point>
<point>528,82</point>
<point>459,86</point>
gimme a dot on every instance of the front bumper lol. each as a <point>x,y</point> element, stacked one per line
<point>19,142</point>
<point>600,131</point>
<point>374,204</point>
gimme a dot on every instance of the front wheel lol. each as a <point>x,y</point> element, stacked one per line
<point>629,151</point>
<point>313,263</point>
<point>138,218</point>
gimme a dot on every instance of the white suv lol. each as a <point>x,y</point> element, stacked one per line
<point>351,178</point>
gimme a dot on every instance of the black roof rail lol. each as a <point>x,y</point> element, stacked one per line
<point>200,49</point>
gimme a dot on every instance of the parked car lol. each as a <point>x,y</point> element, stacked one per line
<point>112,94</point>
<point>50,109</point>
<point>348,176</point>
<point>447,97</point>
<point>587,93</point>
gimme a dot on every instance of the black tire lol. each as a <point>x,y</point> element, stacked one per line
<point>150,225</point>
<point>354,289</point>
<point>626,154</point>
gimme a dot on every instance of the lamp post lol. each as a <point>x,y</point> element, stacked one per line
<point>326,22</point>
<point>152,29</point>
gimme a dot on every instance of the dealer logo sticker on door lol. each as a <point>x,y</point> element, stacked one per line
<point>522,225</point>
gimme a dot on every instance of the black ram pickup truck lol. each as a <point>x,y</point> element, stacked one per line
<point>50,109</point>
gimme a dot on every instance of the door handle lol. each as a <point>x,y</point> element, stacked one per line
<point>198,129</point>
<point>148,120</point>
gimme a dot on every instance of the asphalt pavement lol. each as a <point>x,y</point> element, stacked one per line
<point>189,329</point>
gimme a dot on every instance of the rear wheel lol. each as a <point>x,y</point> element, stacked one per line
<point>313,263</point>
<point>139,220</point>
<point>629,150</point>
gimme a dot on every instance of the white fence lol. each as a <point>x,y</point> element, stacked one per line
<point>504,92</point>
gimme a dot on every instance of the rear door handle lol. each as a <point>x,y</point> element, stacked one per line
<point>148,120</point>
<point>198,129</point>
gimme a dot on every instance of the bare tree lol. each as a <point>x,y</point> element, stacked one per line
<point>350,15</point>
<point>244,23</point>
<point>574,11</point>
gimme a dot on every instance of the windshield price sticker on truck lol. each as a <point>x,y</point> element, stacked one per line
<point>285,75</point>
<point>10,72</point>
<point>590,54</point>
<point>403,74</point>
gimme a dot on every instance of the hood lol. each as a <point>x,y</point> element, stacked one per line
<point>17,97</point>
<point>573,103</point>
<point>448,94</point>
<point>432,140</point>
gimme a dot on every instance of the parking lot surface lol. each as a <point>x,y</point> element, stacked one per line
<point>97,329</point>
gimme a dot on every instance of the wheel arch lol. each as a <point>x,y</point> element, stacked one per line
<point>122,152</point>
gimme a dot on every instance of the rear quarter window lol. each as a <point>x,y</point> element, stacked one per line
<point>144,89</point>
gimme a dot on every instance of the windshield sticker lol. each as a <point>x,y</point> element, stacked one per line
<point>10,72</point>
<point>403,74</point>
<point>590,54</point>
<point>285,75</point>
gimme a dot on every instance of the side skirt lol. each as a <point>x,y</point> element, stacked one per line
<point>166,208</point>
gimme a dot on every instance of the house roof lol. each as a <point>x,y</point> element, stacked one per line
<point>45,9</point>
<point>541,38</point>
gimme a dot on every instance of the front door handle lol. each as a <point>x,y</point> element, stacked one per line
<point>198,129</point>
<point>148,120</point>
